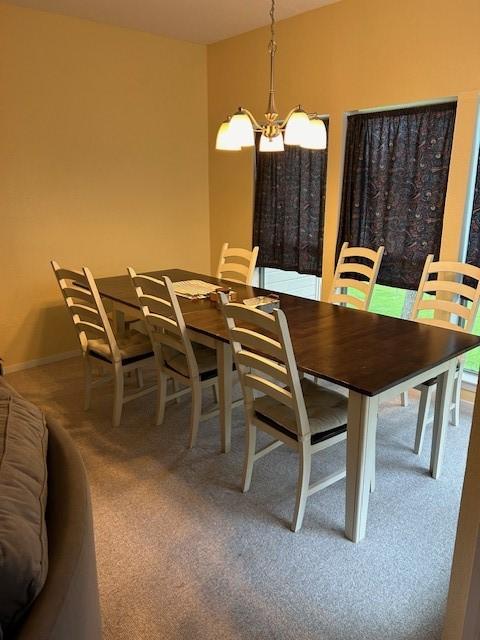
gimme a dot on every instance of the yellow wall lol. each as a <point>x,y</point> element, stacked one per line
<point>97,163</point>
<point>356,54</point>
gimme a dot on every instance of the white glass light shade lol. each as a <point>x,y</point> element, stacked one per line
<point>242,130</point>
<point>271,144</point>
<point>316,135</point>
<point>296,131</point>
<point>225,140</point>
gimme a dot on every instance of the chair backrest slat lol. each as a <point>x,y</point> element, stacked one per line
<point>236,264</point>
<point>77,293</point>
<point>269,388</point>
<point>454,308</point>
<point>352,267</point>
<point>241,313</point>
<point>445,293</point>
<point>161,322</point>
<point>360,252</point>
<point>86,312</point>
<point>463,290</point>
<point>168,340</point>
<point>70,274</point>
<point>257,342</point>
<point>461,268</point>
<point>246,254</point>
<point>240,270</point>
<point>90,327</point>
<point>265,365</point>
<point>151,301</point>
<point>265,360</point>
<point>367,276</point>
<point>344,298</point>
<point>163,318</point>
<point>360,285</point>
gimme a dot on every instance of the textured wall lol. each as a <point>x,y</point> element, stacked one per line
<point>97,163</point>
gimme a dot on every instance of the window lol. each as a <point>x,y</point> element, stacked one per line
<point>395,180</point>
<point>292,282</point>
<point>289,209</point>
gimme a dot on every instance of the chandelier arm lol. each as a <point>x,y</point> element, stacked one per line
<point>287,118</point>
<point>256,126</point>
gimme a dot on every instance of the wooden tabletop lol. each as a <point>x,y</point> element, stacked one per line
<point>358,350</point>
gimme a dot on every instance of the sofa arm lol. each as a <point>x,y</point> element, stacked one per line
<point>68,605</point>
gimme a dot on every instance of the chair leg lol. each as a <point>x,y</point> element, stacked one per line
<point>139,373</point>
<point>161,398</point>
<point>195,413</point>
<point>373,470</point>
<point>404,399</point>
<point>423,413</point>
<point>176,387</point>
<point>87,365</point>
<point>249,456</point>
<point>302,485</point>
<point>457,387</point>
<point>118,394</point>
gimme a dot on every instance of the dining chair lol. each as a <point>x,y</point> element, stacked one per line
<point>293,411</point>
<point>187,364</point>
<point>124,353</point>
<point>450,304</point>
<point>355,275</point>
<point>237,265</point>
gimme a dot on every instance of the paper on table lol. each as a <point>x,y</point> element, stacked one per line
<point>194,288</point>
<point>260,300</point>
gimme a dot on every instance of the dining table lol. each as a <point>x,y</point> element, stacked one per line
<point>373,357</point>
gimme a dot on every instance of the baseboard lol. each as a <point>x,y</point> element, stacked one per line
<point>38,362</point>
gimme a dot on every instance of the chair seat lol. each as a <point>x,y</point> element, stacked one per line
<point>205,356</point>
<point>326,410</point>
<point>132,344</point>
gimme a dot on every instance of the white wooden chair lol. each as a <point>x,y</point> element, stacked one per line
<point>441,297</point>
<point>293,411</point>
<point>127,352</point>
<point>342,279</point>
<point>191,366</point>
<point>237,265</point>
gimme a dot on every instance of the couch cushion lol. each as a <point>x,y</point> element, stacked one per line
<point>23,495</point>
<point>132,344</point>
<point>205,356</point>
<point>326,409</point>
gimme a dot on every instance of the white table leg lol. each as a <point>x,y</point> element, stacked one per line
<point>224,368</point>
<point>361,435</point>
<point>443,401</point>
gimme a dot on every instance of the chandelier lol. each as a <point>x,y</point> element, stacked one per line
<point>299,128</point>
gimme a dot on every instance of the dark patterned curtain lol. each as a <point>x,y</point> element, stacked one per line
<point>473,248</point>
<point>395,181</point>
<point>289,209</point>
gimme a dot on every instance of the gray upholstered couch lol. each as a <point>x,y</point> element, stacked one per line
<point>67,607</point>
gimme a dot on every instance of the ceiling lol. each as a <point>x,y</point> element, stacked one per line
<point>201,21</point>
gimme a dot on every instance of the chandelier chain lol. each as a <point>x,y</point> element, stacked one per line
<point>272,46</point>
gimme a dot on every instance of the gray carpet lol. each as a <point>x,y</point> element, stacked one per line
<point>183,554</point>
